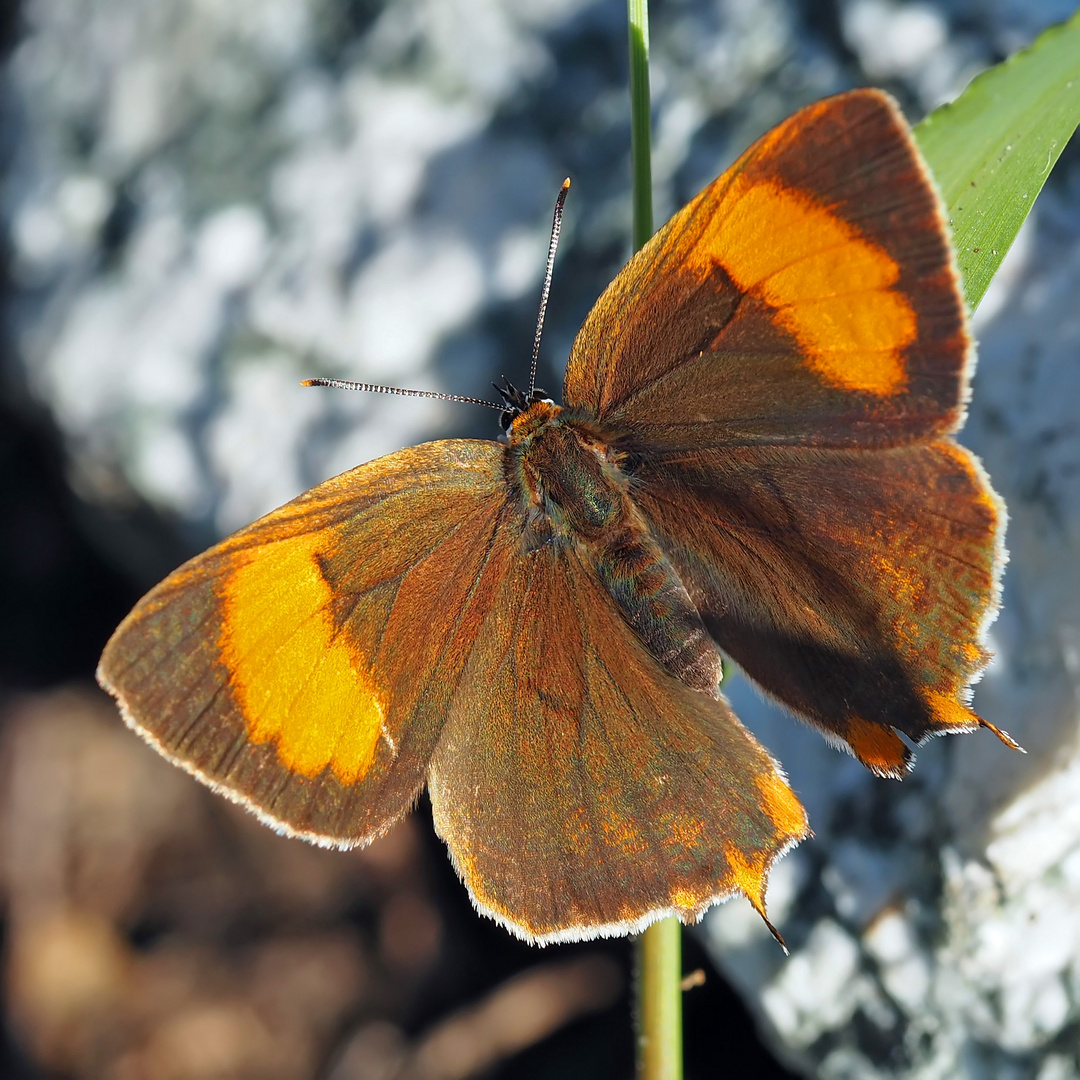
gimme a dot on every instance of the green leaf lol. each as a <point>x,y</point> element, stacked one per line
<point>992,149</point>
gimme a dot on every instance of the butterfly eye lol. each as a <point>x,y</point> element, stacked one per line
<point>506,419</point>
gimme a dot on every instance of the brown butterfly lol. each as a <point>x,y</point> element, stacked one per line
<point>754,456</point>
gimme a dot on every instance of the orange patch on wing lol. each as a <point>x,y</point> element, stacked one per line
<point>688,901</point>
<point>950,714</point>
<point>956,717</point>
<point>831,288</point>
<point>298,683</point>
<point>879,748</point>
<point>782,806</point>
<point>973,652</point>
<point>748,875</point>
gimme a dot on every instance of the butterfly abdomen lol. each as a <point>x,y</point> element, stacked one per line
<point>575,484</point>
<point>653,600</point>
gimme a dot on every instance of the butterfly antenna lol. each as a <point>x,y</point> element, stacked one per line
<point>553,244</point>
<point>375,388</point>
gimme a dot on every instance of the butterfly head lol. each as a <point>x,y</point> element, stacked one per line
<point>523,413</point>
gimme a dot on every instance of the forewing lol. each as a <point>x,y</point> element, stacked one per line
<point>807,296</point>
<point>581,789</point>
<point>853,586</point>
<point>304,666</point>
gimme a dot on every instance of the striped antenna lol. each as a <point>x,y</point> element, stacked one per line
<point>553,244</point>
<point>376,388</point>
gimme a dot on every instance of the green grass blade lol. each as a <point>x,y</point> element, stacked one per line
<point>992,149</point>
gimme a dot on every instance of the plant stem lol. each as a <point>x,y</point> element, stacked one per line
<point>659,948</point>
<point>640,120</point>
<point>659,1001</point>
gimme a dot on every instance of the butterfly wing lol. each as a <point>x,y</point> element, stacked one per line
<point>581,789</point>
<point>807,296</point>
<point>786,361</point>
<point>318,664</point>
<point>303,666</point>
<point>853,586</point>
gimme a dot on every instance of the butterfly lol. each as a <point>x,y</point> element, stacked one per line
<point>754,457</point>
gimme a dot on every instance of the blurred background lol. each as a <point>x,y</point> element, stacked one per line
<point>205,202</point>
